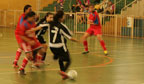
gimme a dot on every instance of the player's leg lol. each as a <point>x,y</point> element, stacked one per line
<point>18,54</point>
<point>40,51</point>
<point>28,51</point>
<point>85,43</point>
<point>64,63</point>
<point>45,50</point>
<point>44,45</point>
<point>25,61</point>
<point>99,37</point>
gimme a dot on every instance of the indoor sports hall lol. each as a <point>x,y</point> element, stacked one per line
<point>122,23</point>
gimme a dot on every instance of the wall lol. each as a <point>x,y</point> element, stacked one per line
<point>19,4</point>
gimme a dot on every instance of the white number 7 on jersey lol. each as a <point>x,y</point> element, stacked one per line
<point>55,33</point>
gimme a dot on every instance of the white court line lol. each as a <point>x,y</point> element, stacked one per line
<point>86,67</point>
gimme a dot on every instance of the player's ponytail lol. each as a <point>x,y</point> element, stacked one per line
<point>58,16</point>
<point>30,14</point>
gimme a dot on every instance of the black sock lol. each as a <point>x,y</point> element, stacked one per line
<point>34,55</point>
<point>44,57</point>
<point>61,64</point>
<point>67,65</point>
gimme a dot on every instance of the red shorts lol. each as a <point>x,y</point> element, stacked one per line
<point>28,48</point>
<point>18,38</point>
<point>94,31</point>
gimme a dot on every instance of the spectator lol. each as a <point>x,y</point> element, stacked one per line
<point>86,9</point>
<point>76,8</point>
<point>97,1</point>
<point>62,2</point>
<point>86,2</point>
<point>58,6</point>
<point>110,8</point>
<point>104,4</point>
<point>79,2</point>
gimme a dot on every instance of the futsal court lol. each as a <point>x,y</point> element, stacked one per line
<point>123,33</point>
<point>123,65</point>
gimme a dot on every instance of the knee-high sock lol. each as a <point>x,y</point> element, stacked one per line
<point>25,61</point>
<point>67,65</point>
<point>18,54</point>
<point>39,58</point>
<point>44,57</point>
<point>85,43</point>
<point>103,45</point>
<point>61,64</point>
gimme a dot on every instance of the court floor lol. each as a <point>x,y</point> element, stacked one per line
<point>124,65</point>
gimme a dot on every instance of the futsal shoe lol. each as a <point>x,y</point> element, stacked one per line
<point>64,75</point>
<point>15,65</point>
<point>105,52</point>
<point>22,72</point>
<point>35,65</point>
<point>85,52</point>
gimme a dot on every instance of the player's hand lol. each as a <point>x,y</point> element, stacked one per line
<point>31,43</point>
<point>28,32</point>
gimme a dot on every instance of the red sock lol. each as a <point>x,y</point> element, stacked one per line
<point>85,43</point>
<point>103,45</point>
<point>39,57</point>
<point>18,54</point>
<point>25,61</point>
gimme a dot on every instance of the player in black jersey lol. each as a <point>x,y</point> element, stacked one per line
<point>58,33</point>
<point>40,33</point>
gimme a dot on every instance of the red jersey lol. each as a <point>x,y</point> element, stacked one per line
<point>21,19</point>
<point>24,27</point>
<point>95,18</point>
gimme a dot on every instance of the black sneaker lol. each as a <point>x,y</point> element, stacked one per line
<point>22,72</point>
<point>85,52</point>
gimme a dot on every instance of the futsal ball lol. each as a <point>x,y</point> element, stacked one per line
<point>72,74</point>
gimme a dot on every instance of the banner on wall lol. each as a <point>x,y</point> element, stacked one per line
<point>130,21</point>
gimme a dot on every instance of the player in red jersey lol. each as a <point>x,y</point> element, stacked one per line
<point>94,29</point>
<point>28,41</point>
<point>27,9</point>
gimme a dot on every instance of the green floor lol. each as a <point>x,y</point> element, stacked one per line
<point>125,64</point>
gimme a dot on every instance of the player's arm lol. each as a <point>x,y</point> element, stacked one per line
<point>74,40</point>
<point>67,33</point>
<point>23,37</point>
<point>38,28</point>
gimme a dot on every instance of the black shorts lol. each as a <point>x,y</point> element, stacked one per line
<point>41,39</point>
<point>61,54</point>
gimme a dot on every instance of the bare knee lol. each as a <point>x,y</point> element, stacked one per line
<point>99,37</point>
<point>29,56</point>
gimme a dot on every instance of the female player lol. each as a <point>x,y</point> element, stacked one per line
<point>94,29</point>
<point>28,41</point>
<point>58,32</point>
<point>48,18</point>
<point>27,9</point>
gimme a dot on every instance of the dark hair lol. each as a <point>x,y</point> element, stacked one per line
<point>26,7</point>
<point>30,14</point>
<point>91,5</point>
<point>47,14</point>
<point>58,16</point>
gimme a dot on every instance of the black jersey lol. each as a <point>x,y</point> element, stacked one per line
<point>58,33</point>
<point>43,30</point>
